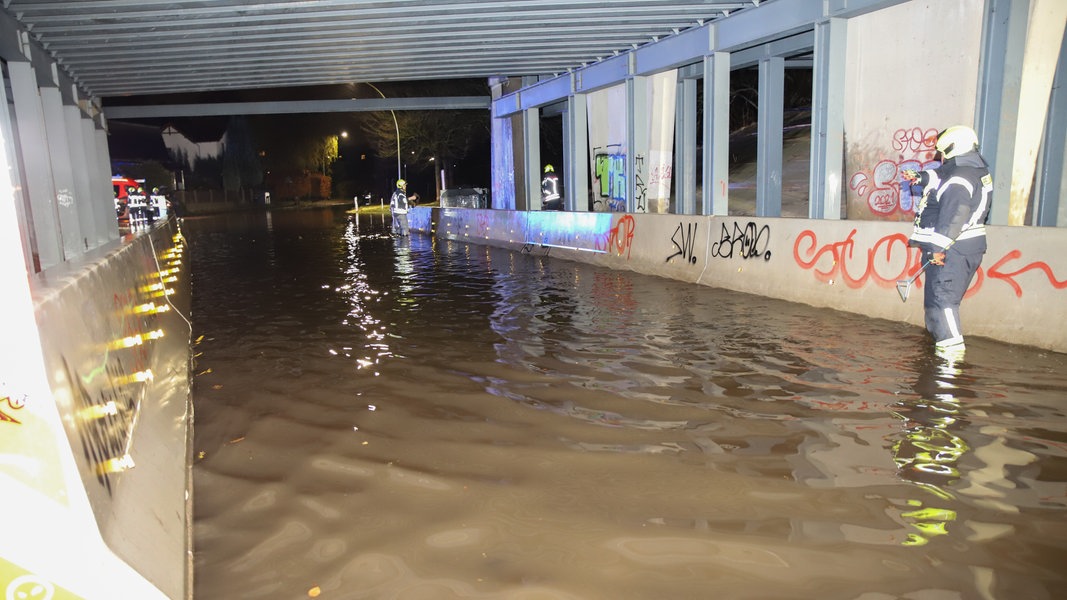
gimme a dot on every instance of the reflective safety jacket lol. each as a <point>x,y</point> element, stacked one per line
<point>550,187</point>
<point>954,206</point>
<point>398,202</point>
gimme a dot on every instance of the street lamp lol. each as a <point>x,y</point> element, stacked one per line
<point>395,124</point>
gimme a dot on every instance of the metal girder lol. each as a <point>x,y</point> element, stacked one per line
<point>143,47</point>
<point>298,106</point>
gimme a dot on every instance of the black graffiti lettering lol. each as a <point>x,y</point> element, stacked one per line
<point>639,183</point>
<point>744,242</point>
<point>684,241</point>
<point>103,436</point>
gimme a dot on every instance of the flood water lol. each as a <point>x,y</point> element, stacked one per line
<point>418,419</point>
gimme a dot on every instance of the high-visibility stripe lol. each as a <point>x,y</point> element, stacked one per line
<point>957,180</point>
<point>953,328</point>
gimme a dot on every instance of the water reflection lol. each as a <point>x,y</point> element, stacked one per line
<point>362,298</point>
<point>928,451</point>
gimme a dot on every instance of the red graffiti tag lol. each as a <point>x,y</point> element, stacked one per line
<point>1009,278</point>
<point>621,236</point>
<point>482,223</point>
<point>841,252</point>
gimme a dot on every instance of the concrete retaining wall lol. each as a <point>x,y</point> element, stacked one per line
<point>94,450</point>
<point>1019,295</point>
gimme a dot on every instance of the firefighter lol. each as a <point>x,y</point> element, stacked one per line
<point>550,195</point>
<point>950,230</point>
<point>398,207</point>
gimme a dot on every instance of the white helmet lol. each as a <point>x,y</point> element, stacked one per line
<point>956,140</point>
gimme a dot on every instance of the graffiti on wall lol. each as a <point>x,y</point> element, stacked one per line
<point>880,185</point>
<point>997,272</point>
<point>640,190</point>
<point>619,239</point>
<point>684,240</point>
<point>660,174</point>
<point>609,171</point>
<point>105,420</point>
<point>893,249</point>
<point>743,241</point>
<point>106,395</point>
<point>889,250</point>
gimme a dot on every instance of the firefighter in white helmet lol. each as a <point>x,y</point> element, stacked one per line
<point>950,230</point>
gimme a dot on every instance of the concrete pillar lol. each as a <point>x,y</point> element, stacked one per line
<point>22,214</point>
<point>102,186</point>
<point>828,120</point>
<point>716,162</point>
<point>36,165</point>
<point>62,172</point>
<point>79,151</point>
<point>1051,210</point>
<point>1044,37</point>
<point>769,152</point>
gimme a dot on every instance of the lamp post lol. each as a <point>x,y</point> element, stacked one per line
<point>395,124</point>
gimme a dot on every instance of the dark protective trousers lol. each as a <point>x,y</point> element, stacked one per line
<point>945,287</point>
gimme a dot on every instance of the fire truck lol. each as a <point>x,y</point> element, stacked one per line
<point>134,205</point>
<point>124,187</point>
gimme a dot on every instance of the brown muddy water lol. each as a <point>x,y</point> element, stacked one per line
<point>420,419</point>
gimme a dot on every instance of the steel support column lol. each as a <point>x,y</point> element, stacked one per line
<point>769,149</point>
<point>531,139</point>
<point>1000,79</point>
<point>1051,210</point>
<point>828,121</point>
<point>716,161</point>
<point>637,144</point>
<point>685,157</point>
<point>576,154</point>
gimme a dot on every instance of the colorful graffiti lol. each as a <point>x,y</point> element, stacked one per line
<point>684,240</point>
<point>748,241</point>
<point>894,250</point>
<point>609,169</point>
<point>880,186</point>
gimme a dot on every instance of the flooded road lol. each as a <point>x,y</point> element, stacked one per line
<point>418,419</point>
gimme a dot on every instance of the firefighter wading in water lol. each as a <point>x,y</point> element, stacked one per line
<point>950,230</point>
